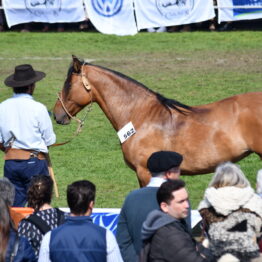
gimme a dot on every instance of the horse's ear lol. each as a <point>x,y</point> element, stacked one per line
<point>76,64</point>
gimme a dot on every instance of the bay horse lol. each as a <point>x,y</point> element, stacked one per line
<point>206,135</point>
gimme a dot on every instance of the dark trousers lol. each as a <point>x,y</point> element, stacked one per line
<point>20,172</point>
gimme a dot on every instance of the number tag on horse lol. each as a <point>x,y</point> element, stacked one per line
<point>127,131</point>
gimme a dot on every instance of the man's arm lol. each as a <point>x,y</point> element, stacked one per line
<point>124,239</point>
<point>2,147</point>
<point>44,254</point>
<point>113,252</point>
<point>46,128</point>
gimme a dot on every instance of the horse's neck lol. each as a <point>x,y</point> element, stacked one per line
<point>121,100</point>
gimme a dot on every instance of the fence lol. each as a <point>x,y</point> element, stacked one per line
<point>127,17</point>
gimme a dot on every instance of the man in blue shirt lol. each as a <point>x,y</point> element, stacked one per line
<point>26,131</point>
<point>79,239</point>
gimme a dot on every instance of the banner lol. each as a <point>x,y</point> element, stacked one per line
<point>46,11</point>
<point>107,220</point>
<point>227,10</point>
<point>156,13</point>
<point>112,16</point>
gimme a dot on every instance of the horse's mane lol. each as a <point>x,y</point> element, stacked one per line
<point>166,102</point>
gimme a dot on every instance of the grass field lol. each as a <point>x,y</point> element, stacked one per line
<point>193,68</point>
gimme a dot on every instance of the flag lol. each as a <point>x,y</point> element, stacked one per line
<point>156,13</point>
<point>112,16</point>
<point>230,12</point>
<point>46,11</point>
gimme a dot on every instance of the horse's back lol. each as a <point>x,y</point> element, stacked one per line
<point>250,100</point>
<point>225,108</point>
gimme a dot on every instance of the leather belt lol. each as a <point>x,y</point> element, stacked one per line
<point>22,154</point>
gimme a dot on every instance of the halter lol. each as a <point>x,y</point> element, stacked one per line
<point>88,109</point>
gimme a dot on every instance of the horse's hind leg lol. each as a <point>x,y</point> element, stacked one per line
<point>251,129</point>
<point>257,146</point>
<point>260,155</point>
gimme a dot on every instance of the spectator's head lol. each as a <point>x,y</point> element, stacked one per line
<point>228,174</point>
<point>259,182</point>
<point>40,191</point>
<point>172,198</point>
<point>165,164</point>
<point>81,197</point>
<point>7,191</point>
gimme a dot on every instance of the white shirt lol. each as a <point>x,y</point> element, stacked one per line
<point>112,249</point>
<point>25,124</point>
<point>156,182</point>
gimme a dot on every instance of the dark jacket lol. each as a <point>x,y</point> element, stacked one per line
<point>138,204</point>
<point>25,252</point>
<point>171,240</point>
<point>78,239</point>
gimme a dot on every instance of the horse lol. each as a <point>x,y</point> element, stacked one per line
<point>146,121</point>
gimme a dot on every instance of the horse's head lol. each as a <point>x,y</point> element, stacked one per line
<point>75,95</point>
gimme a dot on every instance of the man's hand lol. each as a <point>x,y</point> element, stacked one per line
<point>2,147</point>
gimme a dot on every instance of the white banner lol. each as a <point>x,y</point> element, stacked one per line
<point>249,10</point>
<point>47,11</point>
<point>112,16</point>
<point>156,13</point>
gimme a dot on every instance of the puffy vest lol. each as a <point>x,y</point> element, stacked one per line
<point>78,240</point>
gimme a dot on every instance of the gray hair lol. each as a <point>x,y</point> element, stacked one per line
<point>229,174</point>
<point>158,174</point>
<point>259,181</point>
<point>7,191</point>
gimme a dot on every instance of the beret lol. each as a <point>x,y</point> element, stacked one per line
<point>163,161</point>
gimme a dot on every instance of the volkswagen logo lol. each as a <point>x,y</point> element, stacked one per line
<point>107,8</point>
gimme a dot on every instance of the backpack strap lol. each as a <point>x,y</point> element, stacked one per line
<point>42,225</point>
<point>15,248</point>
<point>39,223</point>
<point>60,216</point>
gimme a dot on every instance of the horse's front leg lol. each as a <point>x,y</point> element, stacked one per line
<point>143,176</point>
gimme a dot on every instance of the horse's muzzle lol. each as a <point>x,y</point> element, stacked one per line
<point>62,120</point>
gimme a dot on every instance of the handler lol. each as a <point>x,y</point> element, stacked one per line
<point>26,131</point>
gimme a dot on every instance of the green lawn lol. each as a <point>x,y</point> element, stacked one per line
<point>193,68</point>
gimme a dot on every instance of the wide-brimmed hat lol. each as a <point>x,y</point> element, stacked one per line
<point>24,75</point>
<point>163,161</point>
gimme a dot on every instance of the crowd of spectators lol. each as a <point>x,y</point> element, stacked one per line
<point>46,27</point>
<point>87,26</point>
<point>231,220</point>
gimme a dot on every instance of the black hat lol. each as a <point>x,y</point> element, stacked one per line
<point>24,75</point>
<point>163,161</point>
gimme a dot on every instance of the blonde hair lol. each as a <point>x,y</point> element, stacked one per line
<point>259,182</point>
<point>229,174</point>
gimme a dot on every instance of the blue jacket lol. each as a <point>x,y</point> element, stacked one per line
<point>25,252</point>
<point>78,240</point>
